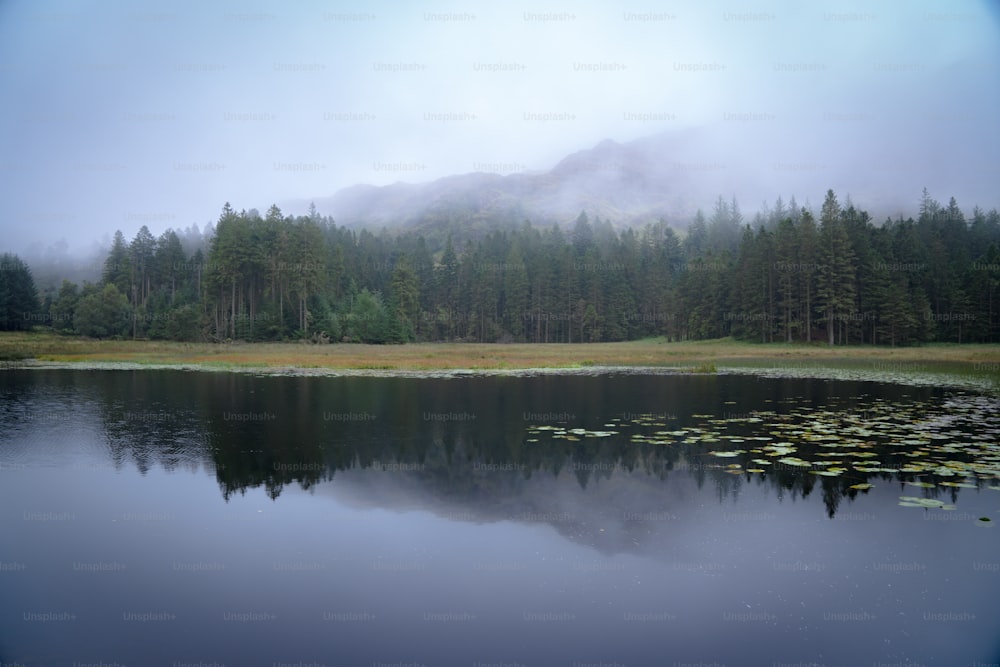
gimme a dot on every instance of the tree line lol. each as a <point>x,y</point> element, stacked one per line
<point>787,275</point>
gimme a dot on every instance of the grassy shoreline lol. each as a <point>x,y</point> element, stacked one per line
<point>700,356</point>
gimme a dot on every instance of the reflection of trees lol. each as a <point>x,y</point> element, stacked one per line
<point>272,432</point>
<point>145,424</point>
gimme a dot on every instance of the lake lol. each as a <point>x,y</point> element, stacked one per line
<point>197,518</point>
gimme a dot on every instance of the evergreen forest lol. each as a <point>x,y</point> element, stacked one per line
<point>788,274</point>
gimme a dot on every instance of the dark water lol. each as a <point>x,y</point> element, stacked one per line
<point>171,518</point>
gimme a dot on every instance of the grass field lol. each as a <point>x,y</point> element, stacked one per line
<point>976,360</point>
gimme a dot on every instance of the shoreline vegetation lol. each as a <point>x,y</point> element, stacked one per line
<point>976,364</point>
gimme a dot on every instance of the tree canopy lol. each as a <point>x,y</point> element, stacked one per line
<point>787,275</point>
<point>19,308</point>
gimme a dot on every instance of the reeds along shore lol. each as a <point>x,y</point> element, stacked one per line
<point>962,359</point>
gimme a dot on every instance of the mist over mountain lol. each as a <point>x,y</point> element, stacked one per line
<point>159,117</point>
<point>669,175</point>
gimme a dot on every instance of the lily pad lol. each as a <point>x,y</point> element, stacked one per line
<point>794,461</point>
<point>861,487</point>
<point>929,503</point>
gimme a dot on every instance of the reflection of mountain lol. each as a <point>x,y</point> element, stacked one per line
<point>469,448</point>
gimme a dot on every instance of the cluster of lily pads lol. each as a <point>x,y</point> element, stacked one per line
<point>954,444</point>
<point>571,434</point>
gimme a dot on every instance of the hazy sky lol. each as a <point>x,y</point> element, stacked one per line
<point>118,114</point>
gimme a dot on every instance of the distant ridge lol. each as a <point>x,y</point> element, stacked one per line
<point>670,175</point>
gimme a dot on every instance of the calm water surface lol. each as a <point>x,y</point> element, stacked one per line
<point>173,518</point>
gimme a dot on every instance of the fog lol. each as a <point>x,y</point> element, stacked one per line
<point>117,115</point>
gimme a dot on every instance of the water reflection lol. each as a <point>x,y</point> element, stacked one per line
<point>483,444</point>
<point>436,522</point>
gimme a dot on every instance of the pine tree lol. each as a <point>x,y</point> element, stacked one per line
<point>19,307</point>
<point>118,265</point>
<point>515,292</point>
<point>778,213</point>
<point>928,206</point>
<point>755,287</point>
<point>984,289</point>
<point>808,254</point>
<point>857,226</point>
<point>696,240</point>
<point>142,251</point>
<point>223,273</point>
<point>835,284</point>
<point>788,271</point>
<point>306,240</point>
<point>405,298</point>
<point>62,308</point>
<point>277,260</point>
<point>170,264</point>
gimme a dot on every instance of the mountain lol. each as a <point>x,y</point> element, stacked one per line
<point>625,183</point>
<point>669,175</point>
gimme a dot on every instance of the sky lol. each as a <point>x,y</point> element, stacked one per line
<point>117,114</point>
